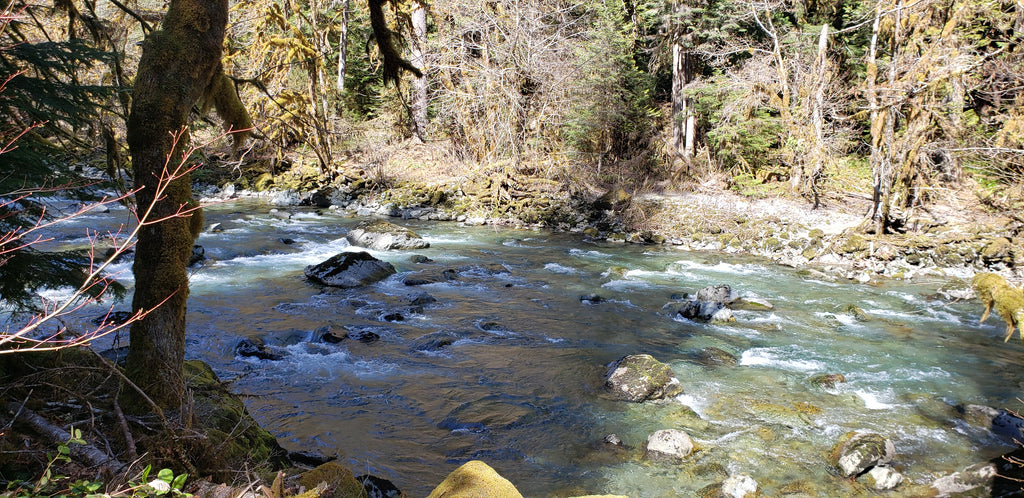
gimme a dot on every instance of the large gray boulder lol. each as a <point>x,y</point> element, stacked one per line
<point>350,269</point>
<point>640,377</point>
<point>381,235</point>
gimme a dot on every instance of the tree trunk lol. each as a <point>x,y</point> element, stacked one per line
<point>683,120</point>
<point>177,64</point>
<point>419,83</point>
<point>342,47</point>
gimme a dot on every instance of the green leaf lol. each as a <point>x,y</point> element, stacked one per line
<point>166,475</point>
<point>179,481</point>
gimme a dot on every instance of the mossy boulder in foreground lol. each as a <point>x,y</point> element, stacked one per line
<point>233,438</point>
<point>475,479</point>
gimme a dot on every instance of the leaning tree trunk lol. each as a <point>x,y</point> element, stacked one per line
<point>177,64</point>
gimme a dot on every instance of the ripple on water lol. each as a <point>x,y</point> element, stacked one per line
<point>790,358</point>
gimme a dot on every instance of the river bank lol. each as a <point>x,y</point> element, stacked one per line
<point>955,235</point>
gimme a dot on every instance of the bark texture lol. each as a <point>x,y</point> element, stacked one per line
<point>177,64</point>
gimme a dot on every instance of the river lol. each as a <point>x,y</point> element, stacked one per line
<point>519,381</point>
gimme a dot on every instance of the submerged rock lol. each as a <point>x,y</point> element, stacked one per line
<point>669,443</point>
<point>713,357</point>
<point>255,348</point>
<point>827,380</point>
<point>377,487</point>
<point>427,277</point>
<point>640,377</point>
<point>472,480</point>
<point>856,452</point>
<point>383,235</point>
<point>350,269</point>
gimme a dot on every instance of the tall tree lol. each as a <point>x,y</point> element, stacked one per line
<point>178,63</point>
<point>418,47</point>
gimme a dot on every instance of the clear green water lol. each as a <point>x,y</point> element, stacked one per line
<point>521,387</point>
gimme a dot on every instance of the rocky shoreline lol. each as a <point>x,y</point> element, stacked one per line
<point>827,241</point>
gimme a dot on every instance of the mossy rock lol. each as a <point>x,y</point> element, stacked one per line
<point>615,199</point>
<point>856,452</point>
<point>856,312</point>
<point>233,438</point>
<point>816,233</point>
<point>337,481</point>
<point>263,182</point>
<point>827,380</point>
<point>640,377</point>
<point>998,250</point>
<point>772,244</point>
<point>475,479</point>
<point>854,244</point>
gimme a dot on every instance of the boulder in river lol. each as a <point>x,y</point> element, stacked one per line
<point>381,235</point>
<point>198,255</point>
<point>856,452</point>
<point>255,348</point>
<point>669,443</point>
<point>640,377</point>
<point>474,479</point>
<point>350,269</point>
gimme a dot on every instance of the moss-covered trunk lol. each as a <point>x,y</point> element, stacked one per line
<point>177,63</point>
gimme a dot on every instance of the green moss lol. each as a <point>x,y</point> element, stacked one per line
<point>232,437</point>
<point>336,481</point>
<point>475,479</point>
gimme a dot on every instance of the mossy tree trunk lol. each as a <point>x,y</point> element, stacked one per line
<point>177,64</point>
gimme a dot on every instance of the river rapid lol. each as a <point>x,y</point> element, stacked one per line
<point>507,365</point>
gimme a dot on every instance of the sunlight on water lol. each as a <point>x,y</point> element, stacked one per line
<point>505,364</point>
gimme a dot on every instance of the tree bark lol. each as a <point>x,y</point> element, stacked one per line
<point>177,63</point>
<point>343,46</point>
<point>419,83</point>
<point>683,120</point>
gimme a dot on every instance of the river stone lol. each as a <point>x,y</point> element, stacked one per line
<point>720,293</point>
<point>339,480</point>
<point>350,269</point>
<point>699,310</point>
<point>640,377</point>
<point>752,304</point>
<point>712,356</point>
<point>883,478</point>
<point>976,476</point>
<point>422,299</point>
<point>383,235</point>
<point>723,315</point>
<point>428,277</point>
<point>255,348</point>
<point>827,380</point>
<point>475,479</point>
<point>856,452</point>
<point>377,487</point>
<point>669,443</point>
<point>198,255</point>
<point>739,486</point>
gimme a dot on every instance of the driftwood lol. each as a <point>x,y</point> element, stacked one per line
<point>85,453</point>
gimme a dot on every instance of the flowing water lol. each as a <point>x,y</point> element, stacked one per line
<point>519,384</point>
